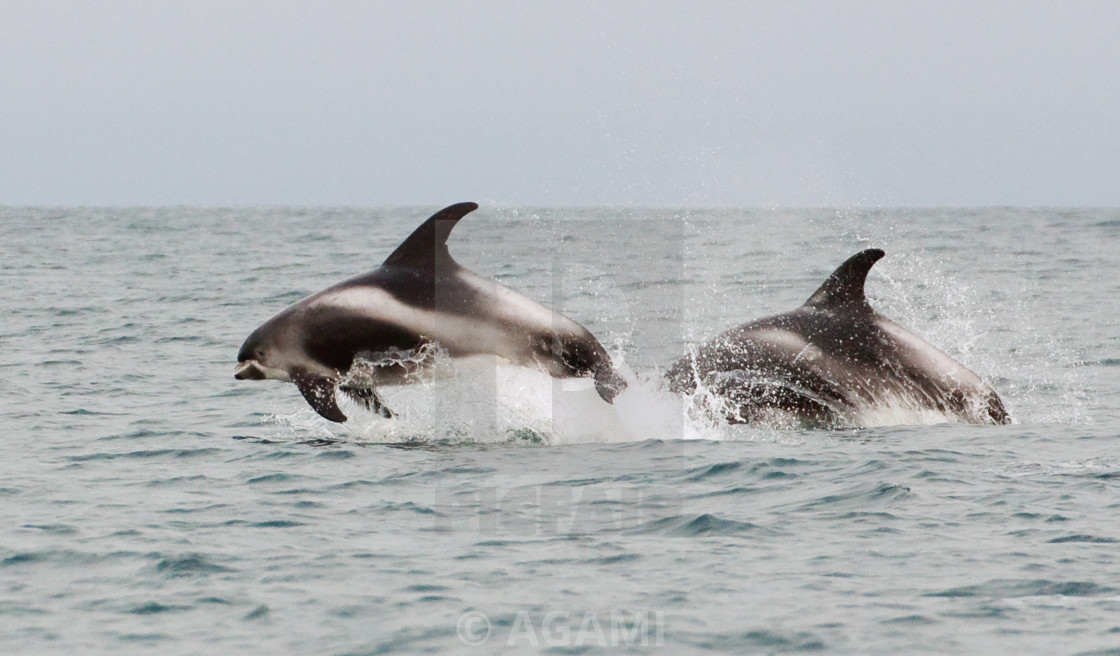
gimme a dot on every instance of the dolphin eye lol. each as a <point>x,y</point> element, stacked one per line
<point>259,353</point>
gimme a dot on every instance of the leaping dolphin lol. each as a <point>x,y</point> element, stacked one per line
<point>419,299</point>
<point>830,359</point>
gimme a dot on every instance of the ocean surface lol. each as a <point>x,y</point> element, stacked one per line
<point>151,503</point>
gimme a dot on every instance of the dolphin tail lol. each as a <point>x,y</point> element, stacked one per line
<point>608,383</point>
<point>319,392</point>
<point>996,411</point>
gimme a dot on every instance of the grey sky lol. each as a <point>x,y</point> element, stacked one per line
<point>605,102</point>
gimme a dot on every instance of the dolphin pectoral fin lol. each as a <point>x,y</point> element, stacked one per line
<point>319,392</point>
<point>369,398</point>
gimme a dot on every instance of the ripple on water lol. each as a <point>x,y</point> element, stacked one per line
<point>274,478</point>
<point>406,506</point>
<point>703,525</point>
<point>147,453</point>
<point>67,557</point>
<point>909,620</point>
<point>757,641</point>
<point>773,468</point>
<point>56,529</point>
<point>1083,538</point>
<point>858,500</point>
<point>10,608</point>
<point>154,608</point>
<point>192,564</point>
<point>1004,588</point>
<point>276,523</point>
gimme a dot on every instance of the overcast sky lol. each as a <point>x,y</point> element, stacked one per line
<point>849,103</point>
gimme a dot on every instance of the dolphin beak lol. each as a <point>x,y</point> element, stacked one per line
<point>248,370</point>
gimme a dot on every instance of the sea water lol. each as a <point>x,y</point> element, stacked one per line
<point>150,502</point>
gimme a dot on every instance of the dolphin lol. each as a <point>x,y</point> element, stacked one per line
<point>419,302</point>
<point>831,359</point>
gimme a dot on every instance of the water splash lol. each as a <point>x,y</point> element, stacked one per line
<point>487,400</point>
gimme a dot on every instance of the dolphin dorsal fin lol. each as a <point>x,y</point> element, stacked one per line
<point>427,245</point>
<point>845,285</point>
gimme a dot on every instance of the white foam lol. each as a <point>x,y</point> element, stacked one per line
<point>489,400</point>
<point>898,411</point>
